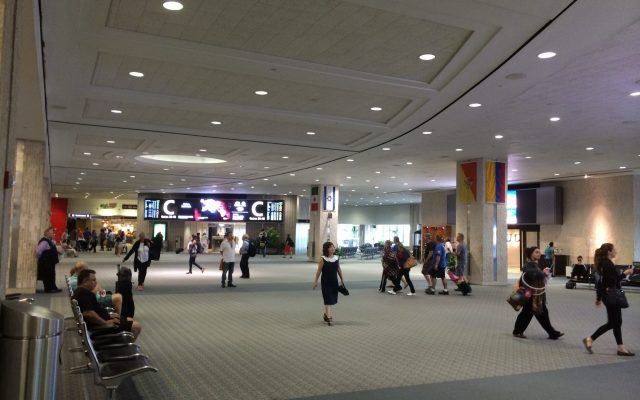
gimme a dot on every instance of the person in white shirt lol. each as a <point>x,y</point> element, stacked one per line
<point>227,249</point>
<point>141,262</point>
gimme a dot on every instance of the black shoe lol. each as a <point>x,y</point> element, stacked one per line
<point>444,292</point>
<point>626,353</point>
<point>556,335</point>
<point>231,285</point>
<point>223,285</point>
<point>457,289</point>
<point>519,335</point>
<point>189,272</point>
<point>56,290</point>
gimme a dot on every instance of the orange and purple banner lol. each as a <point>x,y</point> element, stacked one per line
<point>495,182</point>
<point>467,182</point>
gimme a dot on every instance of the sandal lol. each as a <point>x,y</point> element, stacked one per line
<point>588,342</point>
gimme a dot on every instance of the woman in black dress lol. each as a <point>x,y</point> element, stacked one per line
<point>329,267</point>
<point>534,279</point>
<point>610,282</point>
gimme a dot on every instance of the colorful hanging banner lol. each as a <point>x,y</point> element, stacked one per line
<point>314,198</point>
<point>468,182</point>
<point>495,182</point>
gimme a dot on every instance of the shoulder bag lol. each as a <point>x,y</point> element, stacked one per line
<point>616,297</point>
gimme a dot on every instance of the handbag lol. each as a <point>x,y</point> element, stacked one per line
<point>520,294</point>
<point>410,263</point>
<point>616,297</point>
<point>343,290</point>
<point>221,267</point>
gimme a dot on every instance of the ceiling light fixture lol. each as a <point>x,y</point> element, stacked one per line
<point>311,133</point>
<point>433,180</point>
<point>136,74</point>
<point>427,133</point>
<point>409,163</point>
<point>265,179</point>
<point>116,111</point>
<point>528,157</point>
<point>376,108</point>
<point>216,123</point>
<point>554,119</point>
<point>319,168</point>
<point>634,94</point>
<point>546,55</point>
<point>350,160</point>
<point>426,57</point>
<point>588,148</point>
<point>95,164</point>
<point>86,154</point>
<point>232,173</point>
<point>376,187</point>
<point>475,105</point>
<point>377,172</point>
<point>285,157</point>
<point>261,92</point>
<point>458,149</point>
<point>577,163</point>
<point>348,177</point>
<point>292,174</point>
<point>498,136</point>
<point>203,150</point>
<point>514,170</point>
<point>172,5</point>
<point>386,148</point>
<point>622,167</point>
<point>83,173</point>
<point>556,174</point>
<point>111,141</point>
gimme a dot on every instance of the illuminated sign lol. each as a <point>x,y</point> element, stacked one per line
<point>213,209</point>
<point>512,207</point>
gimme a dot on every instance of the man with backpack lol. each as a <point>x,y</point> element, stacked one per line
<point>247,250</point>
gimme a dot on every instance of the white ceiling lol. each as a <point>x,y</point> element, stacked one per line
<point>325,63</point>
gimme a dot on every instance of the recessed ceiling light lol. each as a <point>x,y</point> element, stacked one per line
<point>367,180</point>
<point>409,163</point>
<point>285,157</point>
<point>377,172</point>
<point>165,169</point>
<point>319,168</point>
<point>87,154</point>
<point>265,179</point>
<point>353,190</point>
<point>427,133</point>
<point>173,5</point>
<point>216,123</point>
<point>182,180</point>
<point>261,92</point>
<point>634,94</point>
<point>232,173</point>
<point>136,74</point>
<point>171,184</point>
<point>203,150</point>
<point>588,148</point>
<point>406,183</point>
<point>348,177</point>
<point>253,187</point>
<point>426,57</point>
<point>292,174</point>
<point>79,179</point>
<point>475,105</point>
<point>386,148</point>
<point>317,180</point>
<point>376,187</point>
<point>116,111</point>
<point>124,181</point>
<point>83,173</point>
<point>393,177</point>
<point>622,167</point>
<point>578,162</point>
<point>96,164</point>
<point>275,184</point>
<point>556,174</point>
<point>111,141</point>
<point>376,108</point>
<point>77,183</point>
<point>458,149</point>
<point>528,157</point>
<point>546,54</point>
<point>586,176</point>
<point>311,133</point>
<point>118,156</point>
<point>266,167</point>
<point>350,160</point>
<point>554,119</point>
<point>498,136</point>
<point>433,180</point>
<point>132,176</point>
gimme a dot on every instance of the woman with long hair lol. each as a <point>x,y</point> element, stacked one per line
<point>329,267</point>
<point>609,284</point>
<point>403,255</point>
<point>534,279</point>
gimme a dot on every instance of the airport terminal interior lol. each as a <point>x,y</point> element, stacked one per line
<point>292,123</point>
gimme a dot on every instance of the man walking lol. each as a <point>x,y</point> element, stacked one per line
<point>227,249</point>
<point>462,255</point>
<point>439,267</point>
<point>428,262</point>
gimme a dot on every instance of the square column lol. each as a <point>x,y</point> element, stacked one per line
<point>481,215</point>
<point>323,219</point>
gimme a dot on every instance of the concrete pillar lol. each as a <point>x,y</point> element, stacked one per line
<point>481,216</point>
<point>323,219</point>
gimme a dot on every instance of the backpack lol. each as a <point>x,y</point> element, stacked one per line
<point>199,248</point>
<point>251,250</point>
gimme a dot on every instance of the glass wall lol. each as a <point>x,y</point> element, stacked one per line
<point>349,235</point>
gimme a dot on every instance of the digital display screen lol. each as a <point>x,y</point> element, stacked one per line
<point>512,207</point>
<point>213,209</point>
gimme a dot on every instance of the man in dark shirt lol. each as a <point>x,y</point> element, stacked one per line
<point>428,260</point>
<point>94,314</point>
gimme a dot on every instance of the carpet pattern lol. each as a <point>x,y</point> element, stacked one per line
<point>265,339</point>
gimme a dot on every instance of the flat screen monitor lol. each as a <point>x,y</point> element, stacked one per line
<point>214,210</point>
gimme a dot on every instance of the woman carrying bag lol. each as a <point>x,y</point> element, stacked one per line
<point>608,291</point>
<point>534,280</point>
<point>329,267</point>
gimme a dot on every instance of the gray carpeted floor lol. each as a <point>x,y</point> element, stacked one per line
<point>265,339</point>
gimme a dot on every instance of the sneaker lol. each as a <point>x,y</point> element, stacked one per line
<point>231,285</point>
<point>430,291</point>
<point>411,294</point>
<point>457,289</point>
<point>445,292</point>
<point>391,292</point>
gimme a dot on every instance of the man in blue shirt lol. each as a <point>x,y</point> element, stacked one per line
<point>439,267</point>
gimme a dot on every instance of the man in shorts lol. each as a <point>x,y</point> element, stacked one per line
<point>428,260</point>
<point>439,267</point>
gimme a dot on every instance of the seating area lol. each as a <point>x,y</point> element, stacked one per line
<point>348,252</point>
<point>368,252</point>
<point>112,354</point>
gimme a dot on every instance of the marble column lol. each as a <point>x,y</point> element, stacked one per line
<point>323,219</point>
<point>481,216</point>
<point>27,217</point>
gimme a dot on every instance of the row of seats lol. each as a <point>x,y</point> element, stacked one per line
<point>113,355</point>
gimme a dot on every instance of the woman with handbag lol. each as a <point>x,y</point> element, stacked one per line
<point>534,280</point>
<point>403,256</point>
<point>608,291</point>
<point>329,267</point>
<point>390,269</point>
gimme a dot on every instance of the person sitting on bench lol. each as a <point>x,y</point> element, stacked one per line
<point>111,300</point>
<point>579,270</point>
<point>94,314</point>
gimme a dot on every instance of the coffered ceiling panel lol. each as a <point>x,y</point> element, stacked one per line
<point>328,32</point>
